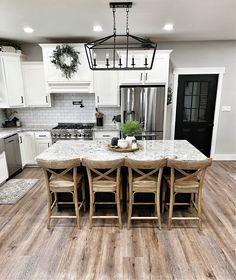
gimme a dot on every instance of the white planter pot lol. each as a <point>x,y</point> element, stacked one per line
<point>129,139</point>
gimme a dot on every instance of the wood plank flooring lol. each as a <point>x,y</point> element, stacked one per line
<point>29,251</point>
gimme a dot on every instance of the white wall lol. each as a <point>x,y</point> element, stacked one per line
<point>199,54</point>
<point>213,54</point>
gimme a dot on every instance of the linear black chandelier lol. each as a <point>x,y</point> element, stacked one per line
<point>121,52</point>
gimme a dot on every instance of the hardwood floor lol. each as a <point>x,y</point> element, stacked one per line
<point>29,251</point>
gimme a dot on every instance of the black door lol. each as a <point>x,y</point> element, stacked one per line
<point>195,110</point>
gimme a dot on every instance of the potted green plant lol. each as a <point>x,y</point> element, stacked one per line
<point>131,128</point>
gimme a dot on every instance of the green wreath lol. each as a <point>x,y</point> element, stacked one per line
<point>66,59</point>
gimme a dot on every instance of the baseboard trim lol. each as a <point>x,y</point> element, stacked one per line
<point>224,156</point>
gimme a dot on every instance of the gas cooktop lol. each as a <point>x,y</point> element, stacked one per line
<point>74,126</point>
<point>66,131</point>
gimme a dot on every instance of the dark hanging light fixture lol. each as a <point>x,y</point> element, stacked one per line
<point>121,52</point>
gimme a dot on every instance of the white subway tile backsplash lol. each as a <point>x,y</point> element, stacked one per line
<point>64,111</point>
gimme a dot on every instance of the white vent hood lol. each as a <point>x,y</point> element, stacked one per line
<point>69,87</point>
<point>80,82</point>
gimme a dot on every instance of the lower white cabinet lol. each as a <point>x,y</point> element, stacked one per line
<point>3,168</point>
<point>43,141</point>
<point>106,134</point>
<point>32,144</point>
<point>27,148</point>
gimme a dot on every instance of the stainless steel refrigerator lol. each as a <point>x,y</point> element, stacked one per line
<point>146,105</point>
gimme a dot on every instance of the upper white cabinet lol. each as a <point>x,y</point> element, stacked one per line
<point>80,81</point>
<point>11,81</point>
<point>157,75</point>
<point>36,94</point>
<point>106,87</point>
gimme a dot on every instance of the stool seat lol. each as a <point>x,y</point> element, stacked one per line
<point>191,186</point>
<point>65,183</point>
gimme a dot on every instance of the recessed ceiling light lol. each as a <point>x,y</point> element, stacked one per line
<point>97,28</point>
<point>168,27</point>
<point>28,30</point>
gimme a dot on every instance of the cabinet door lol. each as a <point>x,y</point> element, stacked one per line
<point>106,134</point>
<point>35,84</point>
<point>160,70</point>
<point>42,145</point>
<point>14,81</point>
<point>106,88</point>
<point>27,148</point>
<point>131,77</point>
<point>3,168</point>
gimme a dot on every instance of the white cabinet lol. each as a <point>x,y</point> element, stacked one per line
<point>157,75</point>
<point>32,144</point>
<point>35,85</point>
<point>3,168</point>
<point>107,134</point>
<point>80,81</point>
<point>43,141</point>
<point>27,148</point>
<point>11,81</point>
<point>106,87</point>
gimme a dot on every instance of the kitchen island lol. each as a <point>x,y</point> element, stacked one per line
<point>98,150</point>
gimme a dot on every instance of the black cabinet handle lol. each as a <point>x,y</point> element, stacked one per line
<point>48,145</point>
<point>22,99</point>
<point>141,76</point>
<point>146,76</point>
<point>46,99</point>
<point>97,99</point>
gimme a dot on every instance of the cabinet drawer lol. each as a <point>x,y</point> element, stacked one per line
<point>42,134</point>
<point>106,134</point>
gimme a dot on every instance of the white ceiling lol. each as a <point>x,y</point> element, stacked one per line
<point>74,19</point>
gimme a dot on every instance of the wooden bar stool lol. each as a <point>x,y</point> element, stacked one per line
<point>104,177</point>
<point>60,179</point>
<point>186,177</point>
<point>144,177</point>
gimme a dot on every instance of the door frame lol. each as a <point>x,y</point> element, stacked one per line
<point>199,71</point>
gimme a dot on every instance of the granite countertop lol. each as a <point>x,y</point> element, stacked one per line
<point>97,150</point>
<point>6,132</point>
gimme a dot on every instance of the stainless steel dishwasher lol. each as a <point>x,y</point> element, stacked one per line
<point>12,150</point>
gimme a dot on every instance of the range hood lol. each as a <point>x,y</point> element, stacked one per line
<point>80,82</point>
<point>69,87</point>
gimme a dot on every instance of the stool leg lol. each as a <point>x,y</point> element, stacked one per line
<point>75,198</point>
<point>191,202</point>
<point>91,208</point>
<point>56,198</point>
<point>130,208</point>
<point>199,209</point>
<point>158,210</point>
<point>49,209</point>
<point>171,208</point>
<point>118,208</point>
<point>83,194</point>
